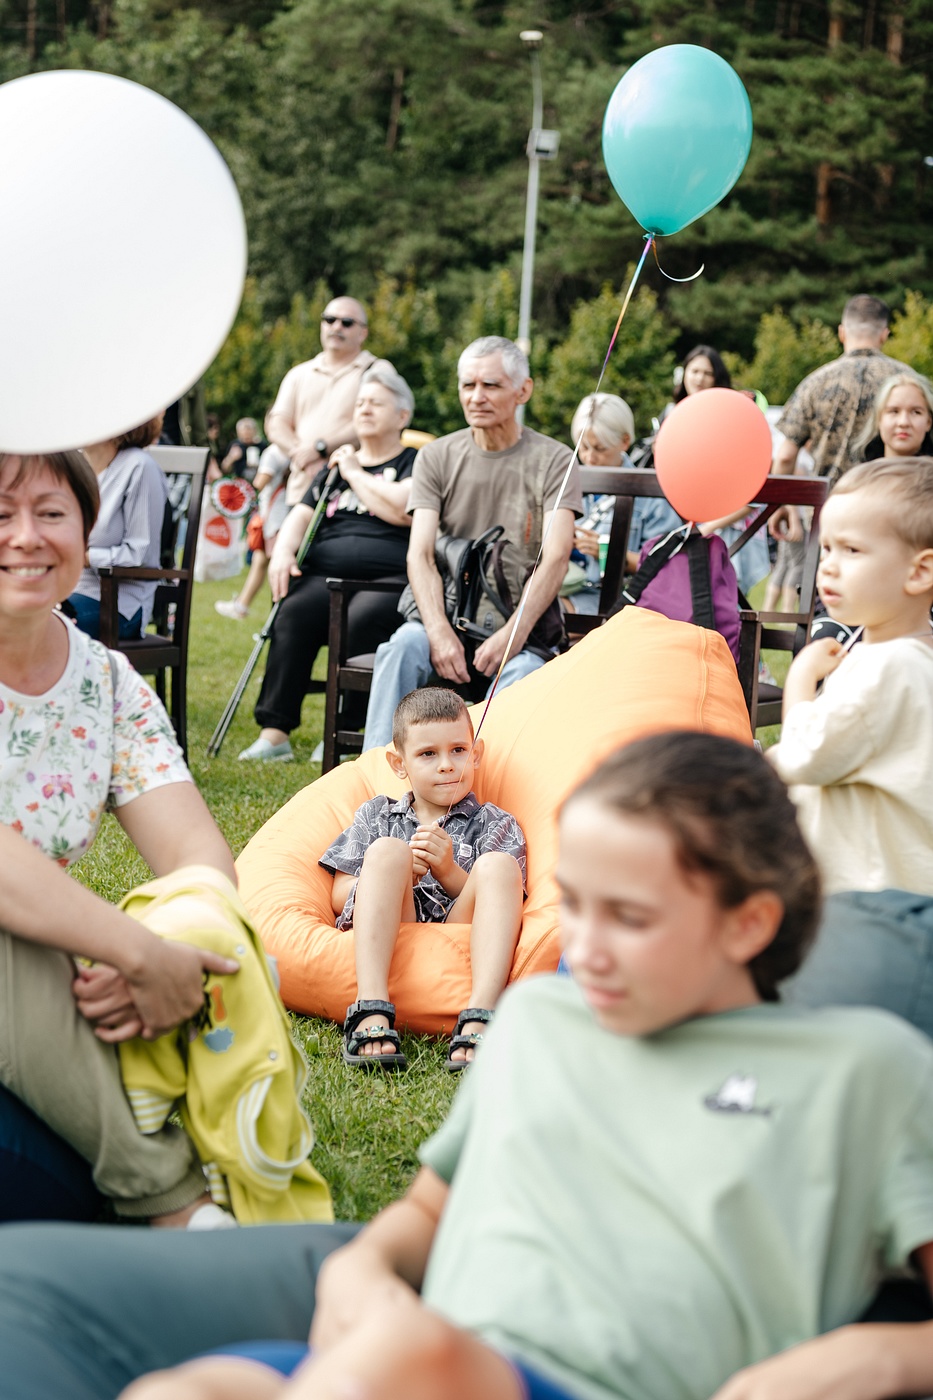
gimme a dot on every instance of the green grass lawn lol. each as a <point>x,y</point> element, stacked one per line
<point>368,1125</point>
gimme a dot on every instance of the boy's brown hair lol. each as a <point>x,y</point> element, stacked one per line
<point>427,706</point>
<point>905,485</point>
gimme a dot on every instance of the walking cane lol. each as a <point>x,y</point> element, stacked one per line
<point>226,719</point>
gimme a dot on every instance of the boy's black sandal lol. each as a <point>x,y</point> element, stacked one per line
<point>458,1041</point>
<point>356,1035</point>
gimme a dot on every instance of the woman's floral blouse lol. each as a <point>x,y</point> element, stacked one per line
<point>79,749</point>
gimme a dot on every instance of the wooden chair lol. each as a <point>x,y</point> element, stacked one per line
<point>346,675</point>
<point>165,649</point>
<point>778,631</point>
<point>758,629</point>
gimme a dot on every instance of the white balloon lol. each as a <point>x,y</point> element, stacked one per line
<point>122,257</point>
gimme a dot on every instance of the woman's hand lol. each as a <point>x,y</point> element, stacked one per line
<point>103,997</point>
<point>283,567</point>
<point>586,541</point>
<point>167,986</point>
<point>346,461</point>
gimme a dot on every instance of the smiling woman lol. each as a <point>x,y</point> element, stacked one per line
<point>80,731</point>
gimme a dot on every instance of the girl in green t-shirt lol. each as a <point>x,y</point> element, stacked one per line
<point>656,1181</point>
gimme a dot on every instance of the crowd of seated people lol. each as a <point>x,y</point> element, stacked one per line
<point>695,1066</point>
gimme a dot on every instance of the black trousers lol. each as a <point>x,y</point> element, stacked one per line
<point>299,632</point>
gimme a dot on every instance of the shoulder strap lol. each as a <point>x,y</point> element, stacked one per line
<point>652,565</point>
<point>701,588</point>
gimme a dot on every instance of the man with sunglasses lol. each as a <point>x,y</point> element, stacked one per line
<point>313,410</point>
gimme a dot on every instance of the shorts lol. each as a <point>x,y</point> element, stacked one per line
<point>430,908</point>
<point>286,1357</point>
<point>788,566</point>
<point>254,535</point>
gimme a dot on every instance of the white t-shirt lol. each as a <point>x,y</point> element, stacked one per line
<point>859,759</point>
<point>70,754</point>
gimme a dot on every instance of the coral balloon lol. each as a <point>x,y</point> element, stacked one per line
<point>712,454</point>
<point>122,256</point>
<point>676,135</point>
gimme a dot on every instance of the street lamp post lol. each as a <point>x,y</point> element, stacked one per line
<point>542,145</point>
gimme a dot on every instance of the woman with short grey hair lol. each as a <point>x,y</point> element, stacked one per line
<point>363,534</point>
<point>383,373</point>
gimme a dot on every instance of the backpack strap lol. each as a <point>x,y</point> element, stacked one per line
<point>701,588</point>
<point>649,569</point>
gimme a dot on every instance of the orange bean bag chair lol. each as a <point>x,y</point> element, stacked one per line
<point>638,674</point>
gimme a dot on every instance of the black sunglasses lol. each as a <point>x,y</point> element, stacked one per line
<point>345,321</point>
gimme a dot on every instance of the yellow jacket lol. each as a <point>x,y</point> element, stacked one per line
<point>236,1078</point>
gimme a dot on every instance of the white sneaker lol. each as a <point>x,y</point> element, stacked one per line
<point>233,609</point>
<point>211,1217</point>
<point>269,753</point>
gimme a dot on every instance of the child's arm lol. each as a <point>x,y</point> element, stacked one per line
<point>867,1361</point>
<point>434,846</point>
<point>391,1254</point>
<point>812,665</point>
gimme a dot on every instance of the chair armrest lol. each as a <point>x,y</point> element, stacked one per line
<point>140,572</point>
<point>368,585</point>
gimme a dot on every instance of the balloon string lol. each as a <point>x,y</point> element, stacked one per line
<point>552,514</point>
<point>692,278</point>
<point>649,243</point>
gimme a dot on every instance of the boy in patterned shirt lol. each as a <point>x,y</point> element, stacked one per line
<point>434,855</point>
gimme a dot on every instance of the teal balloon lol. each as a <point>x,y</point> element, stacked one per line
<point>676,135</point>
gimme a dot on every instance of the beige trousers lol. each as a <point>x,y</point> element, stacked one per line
<point>51,1059</point>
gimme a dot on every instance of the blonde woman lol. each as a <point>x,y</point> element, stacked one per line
<point>604,426</point>
<point>901,420</point>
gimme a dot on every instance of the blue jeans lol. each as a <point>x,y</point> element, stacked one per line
<point>404,664</point>
<point>872,949</point>
<point>87,617</point>
<point>286,1357</point>
<point>41,1176</point>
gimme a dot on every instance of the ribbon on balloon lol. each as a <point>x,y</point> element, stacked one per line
<point>676,135</point>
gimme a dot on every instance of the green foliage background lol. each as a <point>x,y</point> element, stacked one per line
<point>379,149</point>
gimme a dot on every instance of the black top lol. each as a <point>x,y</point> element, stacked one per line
<point>349,535</point>
<point>876,448</point>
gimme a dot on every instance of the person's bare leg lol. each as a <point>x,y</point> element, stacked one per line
<point>769,602</point>
<point>178,1219</point>
<point>790,599</point>
<point>491,902</point>
<point>212,1378</point>
<point>258,568</point>
<point>383,901</point>
<point>405,1352</point>
<point>275,736</point>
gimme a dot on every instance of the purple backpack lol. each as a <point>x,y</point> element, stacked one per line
<point>688,578</point>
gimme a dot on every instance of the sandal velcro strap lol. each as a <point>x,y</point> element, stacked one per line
<point>356,1035</point>
<point>472,1013</point>
<point>359,1010</point>
<point>367,1034</point>
<point>466,1041</point>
